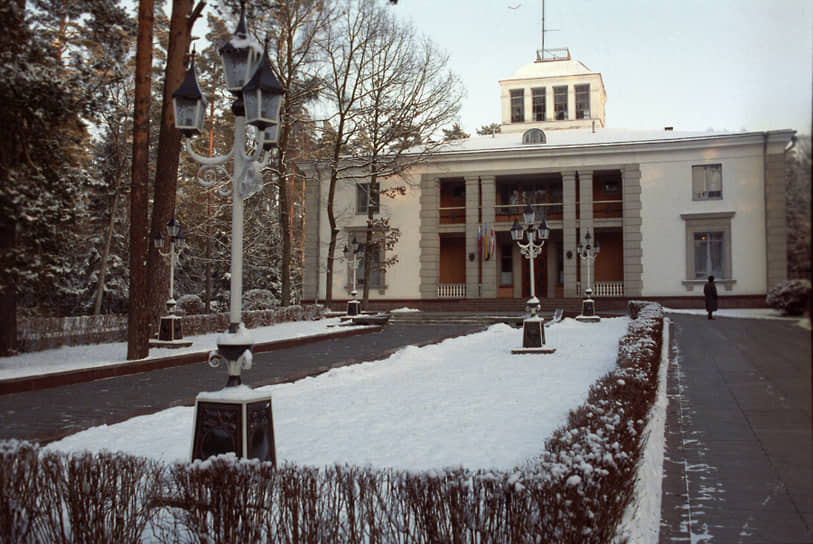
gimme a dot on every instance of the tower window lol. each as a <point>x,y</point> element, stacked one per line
<point>517,105</point>
<point>582,101</point>
<point>560,103</point>
<point>539,103</point>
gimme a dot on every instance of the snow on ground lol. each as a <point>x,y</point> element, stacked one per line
<point>464,402</point>
<point>75,357</point>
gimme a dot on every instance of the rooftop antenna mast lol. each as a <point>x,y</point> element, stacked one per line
<point>555,54</point>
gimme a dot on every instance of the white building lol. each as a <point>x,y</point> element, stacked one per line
<point>668,208</point>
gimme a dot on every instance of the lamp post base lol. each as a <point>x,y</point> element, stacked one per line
<point>171,328</point>
<point>235,420</point>
<point>588,314</point>
<point>353,307</point>
<point>533,337</point>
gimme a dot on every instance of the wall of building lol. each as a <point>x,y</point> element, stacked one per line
<point>666,193</point>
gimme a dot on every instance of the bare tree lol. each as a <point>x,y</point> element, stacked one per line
<point>295,26</point>
<point>346,44</point>
<point>408,96</point>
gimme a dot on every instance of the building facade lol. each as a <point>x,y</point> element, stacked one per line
<point>668,209</point>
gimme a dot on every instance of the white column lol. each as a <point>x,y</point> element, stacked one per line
<point>236,284</point>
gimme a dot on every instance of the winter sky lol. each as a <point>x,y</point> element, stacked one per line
<point>691,64</point>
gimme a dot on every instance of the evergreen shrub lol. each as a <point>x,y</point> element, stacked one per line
<point>791,297</point>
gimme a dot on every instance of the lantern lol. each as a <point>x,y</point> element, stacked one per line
<point>189,104</point>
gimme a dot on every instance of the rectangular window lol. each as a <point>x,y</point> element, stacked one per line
<point>506,266</point>
<point>376,272</point>
<point>539,103</point>
<point>707,182</point>
<point>560,103</point>
<point>582,101</point>
<point>363,199</point>
<point>517,105</point>
<point>708,255</point>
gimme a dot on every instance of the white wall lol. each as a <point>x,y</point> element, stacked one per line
<point>666,193</point>
<point>402,279</point>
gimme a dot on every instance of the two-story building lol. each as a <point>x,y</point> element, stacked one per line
<point>667,208</point>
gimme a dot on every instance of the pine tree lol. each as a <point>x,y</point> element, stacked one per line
<point>54,62</point>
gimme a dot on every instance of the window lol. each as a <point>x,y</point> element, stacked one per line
<point>708,255</point>
<point>517,105</point>
<point>376,270</point>
<point>538,96</point>
<point>707,182</point>
<point>560,103</point>
<point>506,265</point>
<point>362,199</point>
<point>533,136</point>
<point>582,101</point>
<point>708,248</point>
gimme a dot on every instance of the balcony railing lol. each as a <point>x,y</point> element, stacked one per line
<point>452,290</point>
<point>604,288</point>
<point>506,213</point>
<point>607,209</point>
<point>452,215</point>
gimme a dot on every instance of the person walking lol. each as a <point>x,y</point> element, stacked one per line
<point>710,292</point>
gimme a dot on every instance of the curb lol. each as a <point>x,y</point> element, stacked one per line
<point>70,377</point>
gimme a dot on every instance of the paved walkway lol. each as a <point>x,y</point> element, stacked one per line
<point>739,454</point>
<point>51,413</point>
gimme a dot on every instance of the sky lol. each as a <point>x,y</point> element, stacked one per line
<point>690,64</point>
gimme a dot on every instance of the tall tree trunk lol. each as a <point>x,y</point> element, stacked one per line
<point>169,148</point>
<point>97,304</point>
<point>284,221</point>
<point>372,199</point>
<point>138,322</point>
<point>8,293</point>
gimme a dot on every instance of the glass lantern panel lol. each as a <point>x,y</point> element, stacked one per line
<point>236,68</point>
<point>185,112</point>
<point>270,107</point>
<point>251,101</point>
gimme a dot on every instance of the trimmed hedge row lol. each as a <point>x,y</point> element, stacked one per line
<point>35,334</point>
<point>576,491</point>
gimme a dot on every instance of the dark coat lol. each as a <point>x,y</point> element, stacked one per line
<point>710,292</point>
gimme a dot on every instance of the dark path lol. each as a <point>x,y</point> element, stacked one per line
<point>53,413</point>
<point>739,454</point>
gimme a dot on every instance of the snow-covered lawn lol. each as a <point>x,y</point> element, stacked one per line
<point>464,402</point>
<point>69,358</point>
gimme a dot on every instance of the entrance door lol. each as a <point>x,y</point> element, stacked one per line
<point>540,273</point>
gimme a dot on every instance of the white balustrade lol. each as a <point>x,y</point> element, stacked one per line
<point>604,289</point>
<point>451,290</point>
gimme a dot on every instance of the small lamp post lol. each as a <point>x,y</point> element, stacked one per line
<point>533,328</point>
<point>170,324</point>
<point>236,420</point>
<point>588,251</point>
<point>352,252</point>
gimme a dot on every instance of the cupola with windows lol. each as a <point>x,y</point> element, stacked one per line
<point>552,94</point>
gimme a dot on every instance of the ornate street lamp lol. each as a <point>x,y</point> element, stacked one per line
<point>250,79</point>
<point>533,328</point>
<point>588,251</point>
<point>170,329</point>
<point>354,304</point>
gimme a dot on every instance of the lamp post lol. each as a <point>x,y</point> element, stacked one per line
<point>352,252</point>
<point>588,251</point>
<point>258,97</point>
<point>533,329</point>
<point>170,324</point>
